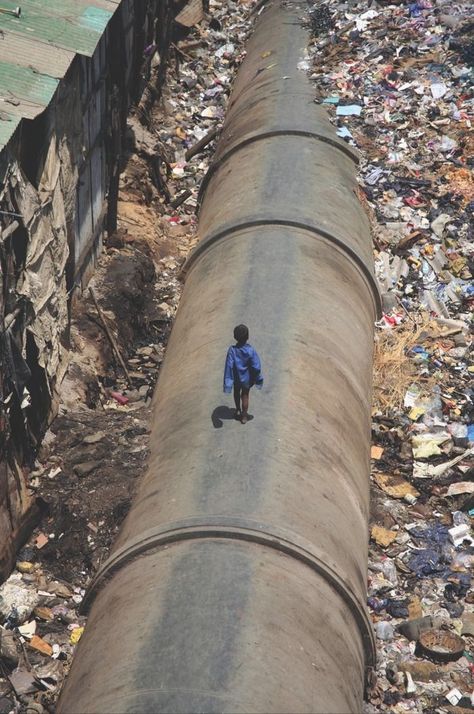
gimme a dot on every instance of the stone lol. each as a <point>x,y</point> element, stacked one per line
<point>8,648</point>
<point>23,681</point>
<point>34,708</point>
<point>423,671</point>
<point>139,376</point>
<point>132,395</point>
<point>6,705</point>
<point>412,629</point>
<point>94,438</point>
<point>137,405</point>
<point>86,468</point>
<point>389,301</point>
<point>23,566</point>
<point>164,308</point>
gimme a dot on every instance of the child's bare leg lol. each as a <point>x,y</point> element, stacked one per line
<point>237,398</point>
<point>245,404</point>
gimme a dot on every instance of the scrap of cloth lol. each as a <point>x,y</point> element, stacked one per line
<point>242,367</point>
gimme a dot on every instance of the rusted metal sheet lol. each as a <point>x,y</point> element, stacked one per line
<point>239,575</point>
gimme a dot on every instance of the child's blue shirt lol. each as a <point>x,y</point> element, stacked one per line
<point>242,367</point>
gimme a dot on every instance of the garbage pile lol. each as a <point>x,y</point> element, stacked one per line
<point>199,96</point>
<point>178,145</point>
<point>40,629</point>
<point>397,83</point>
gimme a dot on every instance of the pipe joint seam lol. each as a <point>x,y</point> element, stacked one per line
<point>242,530</point>
<point>216,165</point>
<point>317,231</point>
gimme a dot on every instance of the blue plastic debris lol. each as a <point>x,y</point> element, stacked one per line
<point>470,434</point>
<point>349,110</point>
<point>344,132</point>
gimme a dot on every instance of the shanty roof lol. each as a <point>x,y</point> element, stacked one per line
<point>37,48</point>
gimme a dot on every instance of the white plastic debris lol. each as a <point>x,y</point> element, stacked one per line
<point>28,629</point>
<point>349,110</point>
<point>459,534</point>
<point>454,696</point>
<point>16,598</point>
<point>438,90</point>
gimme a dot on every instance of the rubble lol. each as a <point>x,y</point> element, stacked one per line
<point>396,80</point>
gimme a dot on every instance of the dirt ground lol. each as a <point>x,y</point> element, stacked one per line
<point>99,444</point>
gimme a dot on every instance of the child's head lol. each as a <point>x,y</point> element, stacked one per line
<point>241,334</point>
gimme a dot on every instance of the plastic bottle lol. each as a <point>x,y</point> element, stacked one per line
<point>434,408</point>
<point>384,631</point>
<point>390,571</point>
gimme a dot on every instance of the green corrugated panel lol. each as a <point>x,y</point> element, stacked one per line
<point>95,18</point>
<point>73,25</point>
<point>22,91</point>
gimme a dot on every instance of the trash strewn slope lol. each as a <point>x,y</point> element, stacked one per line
<point>397,83</point>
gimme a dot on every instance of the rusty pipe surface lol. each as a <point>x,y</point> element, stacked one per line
<point>238,581</point>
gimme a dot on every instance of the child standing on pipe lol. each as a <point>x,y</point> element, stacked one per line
<point>242,370</point>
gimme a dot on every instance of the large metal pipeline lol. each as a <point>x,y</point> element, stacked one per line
<point>238,581</point>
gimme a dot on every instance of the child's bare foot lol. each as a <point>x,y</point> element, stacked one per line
<point>243,418</point>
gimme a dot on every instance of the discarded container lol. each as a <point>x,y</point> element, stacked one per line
<point>413,629</point>
<point>440,646</point>
<point>459,534</point>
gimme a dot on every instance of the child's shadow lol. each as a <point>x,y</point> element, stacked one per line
<point>224,412</point>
